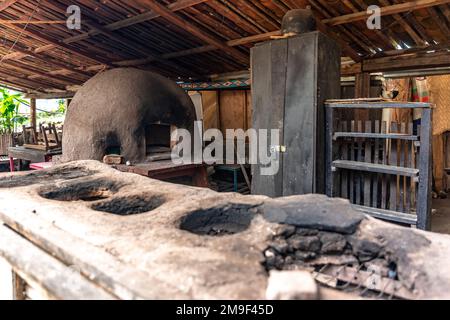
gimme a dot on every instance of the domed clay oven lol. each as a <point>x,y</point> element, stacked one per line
<point>123,111</point>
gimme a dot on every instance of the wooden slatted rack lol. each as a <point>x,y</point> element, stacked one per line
<point>383,168</point>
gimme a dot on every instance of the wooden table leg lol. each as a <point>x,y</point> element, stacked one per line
<point>11,164</point>
<point>200,177</point>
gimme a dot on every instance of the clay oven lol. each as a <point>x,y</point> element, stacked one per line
<point>124,111</point>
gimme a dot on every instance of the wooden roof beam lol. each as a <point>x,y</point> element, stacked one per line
<point>14,84</point>
<point>46,59</point>
<point>33,83</point>
<point>387,10</point>
<point>412,33</point>
<point>42,74</point>
<point>440,22</point>
<point>45,38</point>
<point>6,4</point>
<point>407,62</point>
<point>143,17</point>
<point>197,32</point>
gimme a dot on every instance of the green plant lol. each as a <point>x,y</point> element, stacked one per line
<point>53,116</point>
<point>10,117</point>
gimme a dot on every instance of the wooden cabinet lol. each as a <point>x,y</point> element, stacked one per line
<point>291,79</point>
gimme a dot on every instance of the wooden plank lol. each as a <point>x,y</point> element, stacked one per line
<point>352,158</point>
<point>425,176</point>
<point>409,163</point>
<point>143,17</point>
<point>6,4</point>
<point>408,61</point>
<point>393,178</point>
<point>359,158</point>
<point>300,117</point>
<point>376,159</point>
<point>33,113</point>
<point>388,215</point>
<point>367,159</point>
<point>304,159</point>
<point>329,155</point>
<point>402,163</point>
<point>412,33</point>
<point>268,99</point>
<point>384,149</point>
<point>386,10</point>
<point>199,33</point>
<point>41,269</point>
<point>328,87</point>
<point>371,167</point>
<point>366,135</point>
<point>19,287</point>
<point>379,105</point>
<point>345,156</point>
<point>27,154</point>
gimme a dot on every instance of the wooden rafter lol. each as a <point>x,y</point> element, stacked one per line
<point>6,4</point>
<point>46,59</point>
<point>171,52</point>
<point>140,18</point>
<point>418,60</point>
<point>387,10</point>
<point>440,21</point>
<point>412,33</point>
<point>36,72</point>
<point>176,20</point>
<point>43,37</point>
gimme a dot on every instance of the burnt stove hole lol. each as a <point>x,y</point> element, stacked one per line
<point>219,221</point>
<point>130,205</point>
<point>92,190</point>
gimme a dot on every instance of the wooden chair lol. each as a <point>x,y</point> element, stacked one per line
<point>29,135</point>
<point>48,138</point>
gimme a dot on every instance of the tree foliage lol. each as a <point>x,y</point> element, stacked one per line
<point>10,117</point>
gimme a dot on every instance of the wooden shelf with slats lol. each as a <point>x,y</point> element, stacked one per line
<point>383,168</point>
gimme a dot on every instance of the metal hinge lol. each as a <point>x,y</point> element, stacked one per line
<point>278,149</point>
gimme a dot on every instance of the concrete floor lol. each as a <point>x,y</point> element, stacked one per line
<point>440,221</point>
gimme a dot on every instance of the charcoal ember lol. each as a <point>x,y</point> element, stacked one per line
<point>306,232</point>
<point>280,246</point>
<point>304,255</point>
<point>308,243</point>
<point>285,231</point>
<point>288,260</point>
<point>279,262</point>
<point>332,242</point>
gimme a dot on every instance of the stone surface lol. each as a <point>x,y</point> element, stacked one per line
<point>306,232</point>
<point>308,243</point>
<point>314,212</point>
<point>332,242</point>
<point>285,231</point>
<point>280,246</point>
<point>160,260</point>
<point>304,255</point>
<point>365,249</point>
<point>291,285</point>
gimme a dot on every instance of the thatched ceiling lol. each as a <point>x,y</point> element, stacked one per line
<point>186,38</point>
